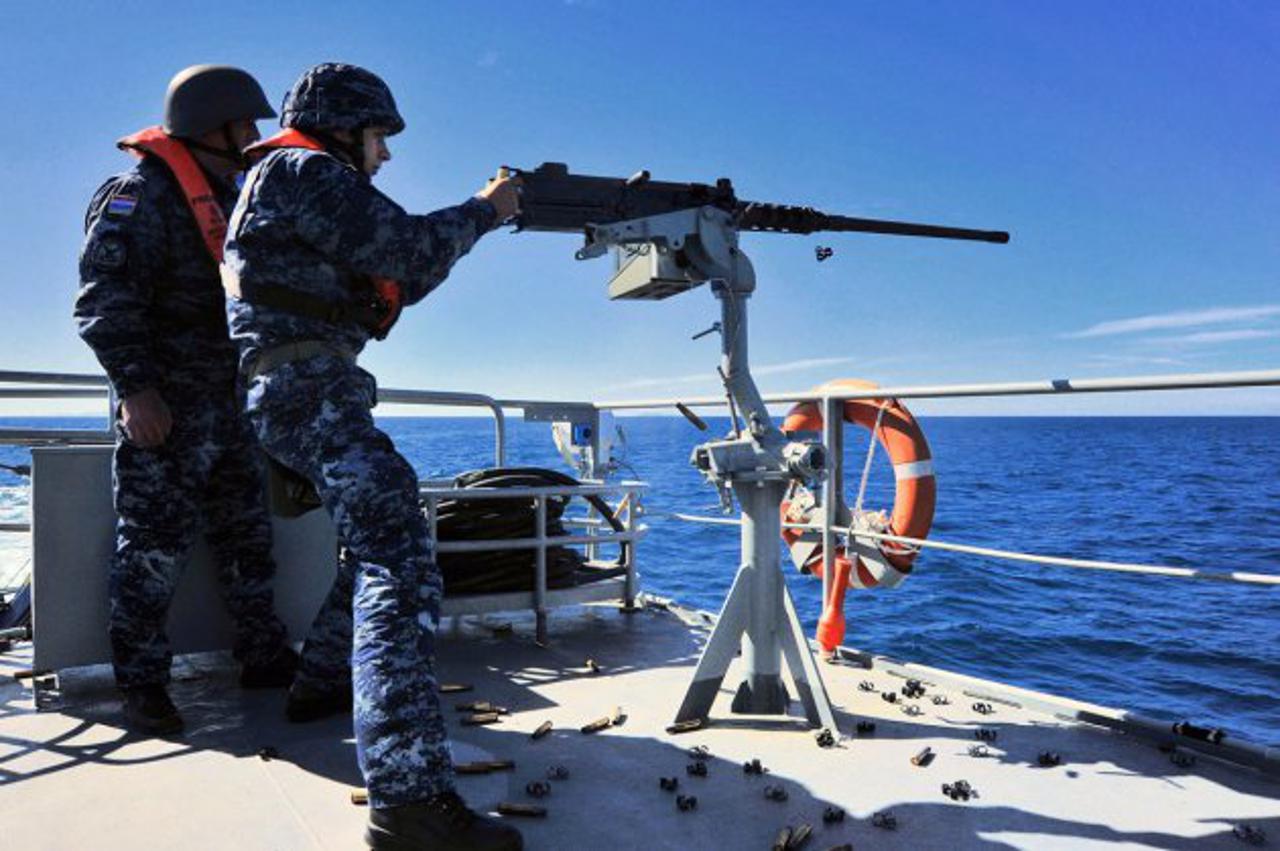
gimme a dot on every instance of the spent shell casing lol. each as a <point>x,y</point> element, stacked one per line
<point>359,797</point>
<point>597,725</point>
<point>481,718</point>
<point>543,729</point>
<point>799,836</point>
<point>454,688</point>
<point>507,808</point>
<point>923,758</point>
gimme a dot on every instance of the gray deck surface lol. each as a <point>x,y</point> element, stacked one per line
<point>70,778</point>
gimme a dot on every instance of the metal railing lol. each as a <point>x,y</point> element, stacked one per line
<point>541,596</point>
<point>55,385</point>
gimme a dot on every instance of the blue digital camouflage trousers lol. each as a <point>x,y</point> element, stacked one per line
<point>314,416</point>
<point>208,468</point>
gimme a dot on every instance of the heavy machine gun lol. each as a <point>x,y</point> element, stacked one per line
<point>637,211</point>
<point>552,199</point>
<point>668,238</point>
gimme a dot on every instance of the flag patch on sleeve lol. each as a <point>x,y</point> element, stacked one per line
<point>122,205</point>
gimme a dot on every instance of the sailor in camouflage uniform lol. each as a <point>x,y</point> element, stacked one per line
<point>152,308</point>
<point>317,262</point>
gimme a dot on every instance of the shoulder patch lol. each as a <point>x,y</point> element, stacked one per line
<point>122,205</point>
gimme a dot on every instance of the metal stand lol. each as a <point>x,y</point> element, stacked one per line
<point>758,614</point>
<point>662,255</point>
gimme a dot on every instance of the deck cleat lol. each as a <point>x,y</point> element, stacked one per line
<point>1048,759</point>
<point>537,788</point>
<point>913,688</point>
<point>593,666</point>
<point>825,738</point>
<point>959,790</point>
<point>1249,834</point>
<point>668,784</point>
<point>557,772</point>
<point>699,752</point>
<point>754,767</point>
<point>268,753</point>
<point>867,685</point>
<point>986,734</point>
<point>885,820</point>
<point>889,696</point>
<point>866,728</point>
<point>913,710</point>
<point>776,793</point>
<point>941,700</point>
<point>832,815</point>
<point>685,803</point>
<point>979,751</point>
<point>983,708</point>
<point>696,769</point>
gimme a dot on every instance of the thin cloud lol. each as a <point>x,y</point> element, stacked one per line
<point>1132,360</point>
<point>1179,319</point>
<point>488,59</point>
<point>1203,337</point>
<point>709,376</point>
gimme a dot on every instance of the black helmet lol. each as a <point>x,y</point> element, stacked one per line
<point>205,97</point>
<point>335,96</point>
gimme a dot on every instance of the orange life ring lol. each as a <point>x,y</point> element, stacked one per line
<point>882,564</point>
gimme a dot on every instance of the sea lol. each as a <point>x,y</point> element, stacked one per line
<point>1200,492</point>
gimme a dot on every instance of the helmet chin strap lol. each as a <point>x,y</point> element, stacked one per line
<point>352,152</point>
<point>230,152</point>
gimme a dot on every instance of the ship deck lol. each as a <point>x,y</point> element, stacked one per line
<point>71,777</point>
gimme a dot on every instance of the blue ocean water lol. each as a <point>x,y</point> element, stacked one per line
<point>1201,492</point>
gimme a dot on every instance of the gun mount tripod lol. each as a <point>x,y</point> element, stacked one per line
<point>659,256</point>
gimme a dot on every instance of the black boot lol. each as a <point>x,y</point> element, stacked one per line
<point>306,703</point>
<point>148,709</point>
<point>275,673</point>
<point>442,823</point>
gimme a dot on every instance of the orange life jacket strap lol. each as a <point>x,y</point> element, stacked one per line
<point>377,317</point>
<point>195,186</point>
<point>287,138</point>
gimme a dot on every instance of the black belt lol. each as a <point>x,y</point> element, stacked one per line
<point>269,359</point>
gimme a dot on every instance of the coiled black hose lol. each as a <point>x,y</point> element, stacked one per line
<point>509,570</point>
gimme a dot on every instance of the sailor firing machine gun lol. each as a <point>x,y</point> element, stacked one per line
<point>669,238</point>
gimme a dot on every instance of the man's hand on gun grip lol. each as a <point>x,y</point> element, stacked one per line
<point>503,192</point>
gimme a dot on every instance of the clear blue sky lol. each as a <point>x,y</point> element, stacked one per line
<point>1130,148</point>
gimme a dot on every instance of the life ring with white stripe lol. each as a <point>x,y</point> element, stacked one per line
<point>875,563</point>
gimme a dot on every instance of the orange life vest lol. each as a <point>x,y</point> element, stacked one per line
<point>386,291</point>
<point>195,186</point>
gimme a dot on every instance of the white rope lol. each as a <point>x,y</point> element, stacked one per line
<point>1053,561</point>
<point>866,466</point>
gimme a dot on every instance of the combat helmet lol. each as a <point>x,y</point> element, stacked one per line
<point>203,98</point>
<point>335,96</point>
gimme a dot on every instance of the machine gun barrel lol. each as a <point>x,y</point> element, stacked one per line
<point>552,199</point>
<point>781,218</point>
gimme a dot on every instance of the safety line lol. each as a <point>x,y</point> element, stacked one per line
<point>1008,555</point>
